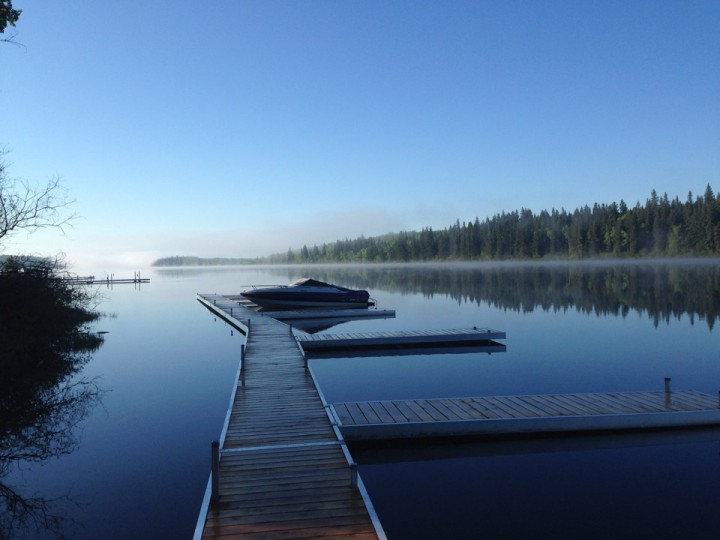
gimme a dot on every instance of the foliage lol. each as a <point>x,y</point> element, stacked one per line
<point>8,16</point>
<point>44,343</point>
<point>659,228</point>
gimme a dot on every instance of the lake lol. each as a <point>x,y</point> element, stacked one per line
<point>140,456</point>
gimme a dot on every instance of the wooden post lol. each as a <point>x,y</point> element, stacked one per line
<point>215,471</point>
<point>305,361</point>
<point>242,357</point>
<point>667,385</point>
<point>353,475</point>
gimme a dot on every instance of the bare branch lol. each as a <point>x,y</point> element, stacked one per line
<point>28,208</point>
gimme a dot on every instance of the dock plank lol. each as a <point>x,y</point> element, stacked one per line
<point>383,414</point>
<point>482,407</point>
<point>393,411</point>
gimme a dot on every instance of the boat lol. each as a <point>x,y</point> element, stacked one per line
<point>308,292</point>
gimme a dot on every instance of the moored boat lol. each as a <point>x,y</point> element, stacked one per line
<point>308,292</point>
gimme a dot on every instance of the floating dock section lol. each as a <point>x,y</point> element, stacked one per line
<point>467,337</point>
<point>514,415</point>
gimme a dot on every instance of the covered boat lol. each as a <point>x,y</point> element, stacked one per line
<point>308,292</point>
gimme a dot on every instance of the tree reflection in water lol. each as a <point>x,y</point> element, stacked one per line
<point>44,343</point>
<point>663,290</point>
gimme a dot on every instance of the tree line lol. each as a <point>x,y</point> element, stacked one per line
<point>660,227</point>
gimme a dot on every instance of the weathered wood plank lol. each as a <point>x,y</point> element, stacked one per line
<point>497,407</point>
<point>478,405</point>
<point>523,407</point>
<point>381,412</point>
<point>407,411</point>
<point>356,414</point>
<point>393,411</point>
<point>421,413</point>
<point>370,415</point>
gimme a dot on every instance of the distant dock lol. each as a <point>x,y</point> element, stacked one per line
<point>109,279</point>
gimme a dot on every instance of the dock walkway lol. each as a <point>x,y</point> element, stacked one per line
<point>555,413</point>
<point>284,470</point>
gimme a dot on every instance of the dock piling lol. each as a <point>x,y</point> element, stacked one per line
<point>353,475</point>
<point>215,471</point>
<point>667,385</point>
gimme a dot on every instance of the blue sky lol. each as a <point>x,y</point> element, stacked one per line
<point>243,128</point>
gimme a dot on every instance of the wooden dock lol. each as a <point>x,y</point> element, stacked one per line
<point>284,469</point>
<point>504,415</point>
<point>108,280</point>
<point>421,338</point>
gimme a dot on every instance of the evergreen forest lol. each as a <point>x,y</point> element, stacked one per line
<point>661,227</point>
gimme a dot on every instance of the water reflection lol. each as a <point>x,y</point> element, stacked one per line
<point>645,485</point>
<point>664,290</point>
<point>521,489</point>
<point>44,344</point>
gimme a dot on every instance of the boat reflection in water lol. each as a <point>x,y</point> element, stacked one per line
<point>313,306</point>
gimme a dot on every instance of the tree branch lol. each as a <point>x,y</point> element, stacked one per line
<point>24,207</point>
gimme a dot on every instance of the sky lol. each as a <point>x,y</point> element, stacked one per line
<point>234,128</point>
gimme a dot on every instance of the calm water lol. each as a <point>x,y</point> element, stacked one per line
<point>141,462</point>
